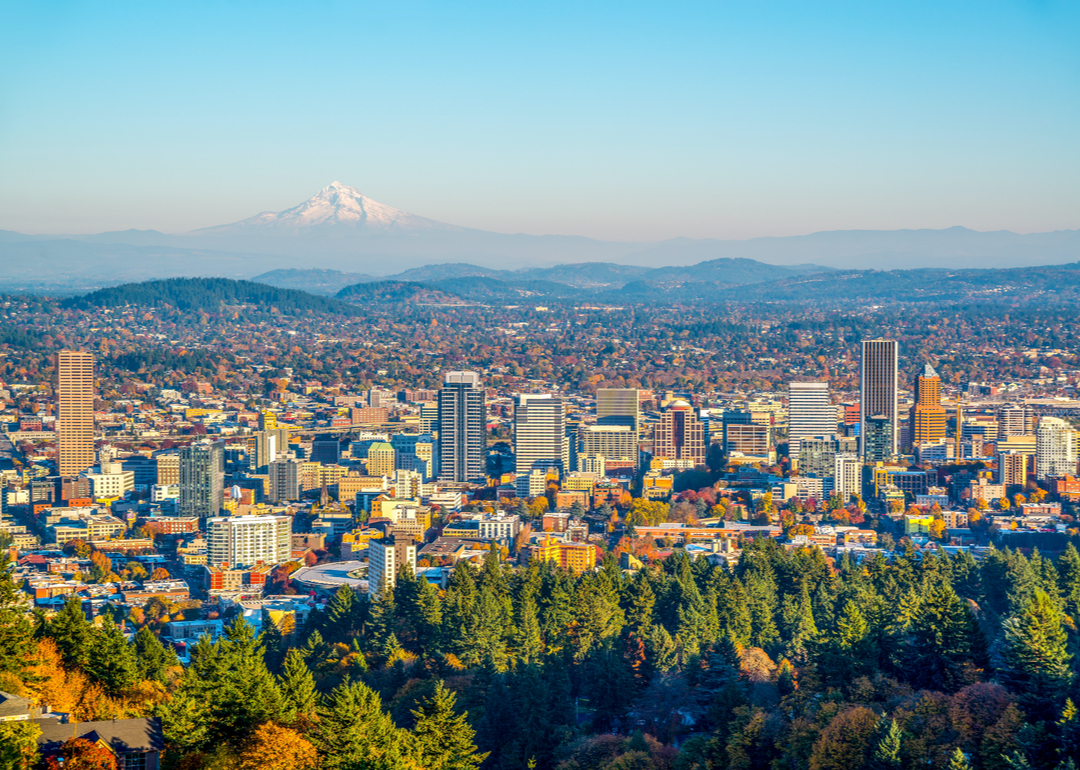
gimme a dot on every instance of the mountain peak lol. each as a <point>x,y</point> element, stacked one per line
<point>336,206</point>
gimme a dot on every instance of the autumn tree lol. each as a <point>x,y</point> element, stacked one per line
<point>273,747</point>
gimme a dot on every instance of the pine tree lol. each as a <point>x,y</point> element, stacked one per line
<point>1036,655</point>
<point>297,685</point>
<point>72,633</point>
<point>16,640</point>
<point>354,733</point>
<point>1068,568</point>
<point>939,639</point>
<point>154,659</point>
<point>112,661</point>
<point>444,740</point>
<point>958,761</point>
<point>886,754</point>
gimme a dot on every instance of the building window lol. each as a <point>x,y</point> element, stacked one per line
<point>133,762</point>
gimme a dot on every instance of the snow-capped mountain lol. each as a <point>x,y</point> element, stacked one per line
<point>333,206</point>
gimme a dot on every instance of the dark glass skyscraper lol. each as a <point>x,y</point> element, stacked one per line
<point>461,428</point>
<point>879,389</point>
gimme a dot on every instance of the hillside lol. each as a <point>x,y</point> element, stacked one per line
<point>209,294</point>
<point>397,291</point>
<point>314,281</point>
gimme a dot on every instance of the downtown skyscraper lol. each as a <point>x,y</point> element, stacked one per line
<point>75,412</point>
<point>540,440</point>
<point>202,479</point>
<point>462,428</point>
<point>878,387</point>
<point>811,413</point>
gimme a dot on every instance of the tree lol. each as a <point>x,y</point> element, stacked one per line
<point>886,754</point>
<point>273,747</point>
<point>958,761</point>
<point>1036,654</point>
<point>16,640</point>
<point>153,659</point>
<point>443,738</point>
<point>112,660</point>
<point>354,732</point>
<point>19,745</point>
<point>297,686</point>
<point>81,754</point>
<point>845,741</point>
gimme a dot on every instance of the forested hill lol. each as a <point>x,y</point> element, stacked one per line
<point>210,294</point>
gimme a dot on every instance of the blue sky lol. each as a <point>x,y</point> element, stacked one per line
<point>619,120</point>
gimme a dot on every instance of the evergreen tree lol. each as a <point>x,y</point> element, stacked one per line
<point>939,639</point>
<point>153,658</point>
<point>1036,656</point>
<point>1068,568</point>
<point>354,733</point>
<point>958,761</point>
<point>112,661</point>
<point>16,640</point>
<point>886,753</point>
<point>443,739</point>
<point>297,686</point>
<point>72,633</point>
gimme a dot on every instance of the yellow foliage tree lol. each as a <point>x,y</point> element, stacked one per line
<point>273,747</point>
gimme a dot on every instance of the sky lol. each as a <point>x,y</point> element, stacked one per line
<point>621,120</point>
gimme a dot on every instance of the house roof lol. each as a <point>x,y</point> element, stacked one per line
<point>13,705</point>
<point>120,735</point>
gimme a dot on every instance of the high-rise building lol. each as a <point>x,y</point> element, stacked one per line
<point>326,450</point>
<point>878,386</point>
<point>75,412</point>
<point>462,428</point>
<point>1014,420</point>
<point>927,415</point>
<point>244,541</point>
<point>847,475</point>
<point>540,433</point>
<point>1012,469</point>
<point>385,557</point>
<point>381,459</point>
<point>265,446</point>
<point>202,479</point>
<point>611,442</point>
<point>1055,448</point>
<point>680,435</point>
<point>810,413</point>
<point>817,454</point>
<point>619,406</point>
<point>168,468</point>
<point>877,439</point>
<point>284,475</point>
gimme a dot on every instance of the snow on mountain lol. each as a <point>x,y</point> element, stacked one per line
<point>333,206</point>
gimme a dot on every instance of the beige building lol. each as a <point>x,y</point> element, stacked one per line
<point>75,412</point>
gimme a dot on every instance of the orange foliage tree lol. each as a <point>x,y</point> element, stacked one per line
<point>273,747</point>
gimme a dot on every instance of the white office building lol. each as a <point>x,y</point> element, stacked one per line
<point>1055,448</point>
<point>810,413</point>
<point>244,541</point>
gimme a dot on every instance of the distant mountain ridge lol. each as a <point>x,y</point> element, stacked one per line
<point>341,229</point>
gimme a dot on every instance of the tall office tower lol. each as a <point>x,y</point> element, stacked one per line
<point>264,447</point>
<point>878,381</point>
<point>284,475</point>
<point>810,413</point>
<point>927,415</point>
<point>385,557</point>
<point>381,459</point>
<point>619,406</point>
<point>462,428</point>
<point>1013,420</point>
<point>1012,469</point>
<point>168,467</point>
<point>75,412</point>
<point>610,442</point>
<point>202,479</point>
<point>680,435</point>
<point>817,455</point>
<point>877,442</point>
<point>1055,449</point>
<point>244,541</point>
<point>540,433</point>
<point>847,475</point>
<point>326,450</point>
